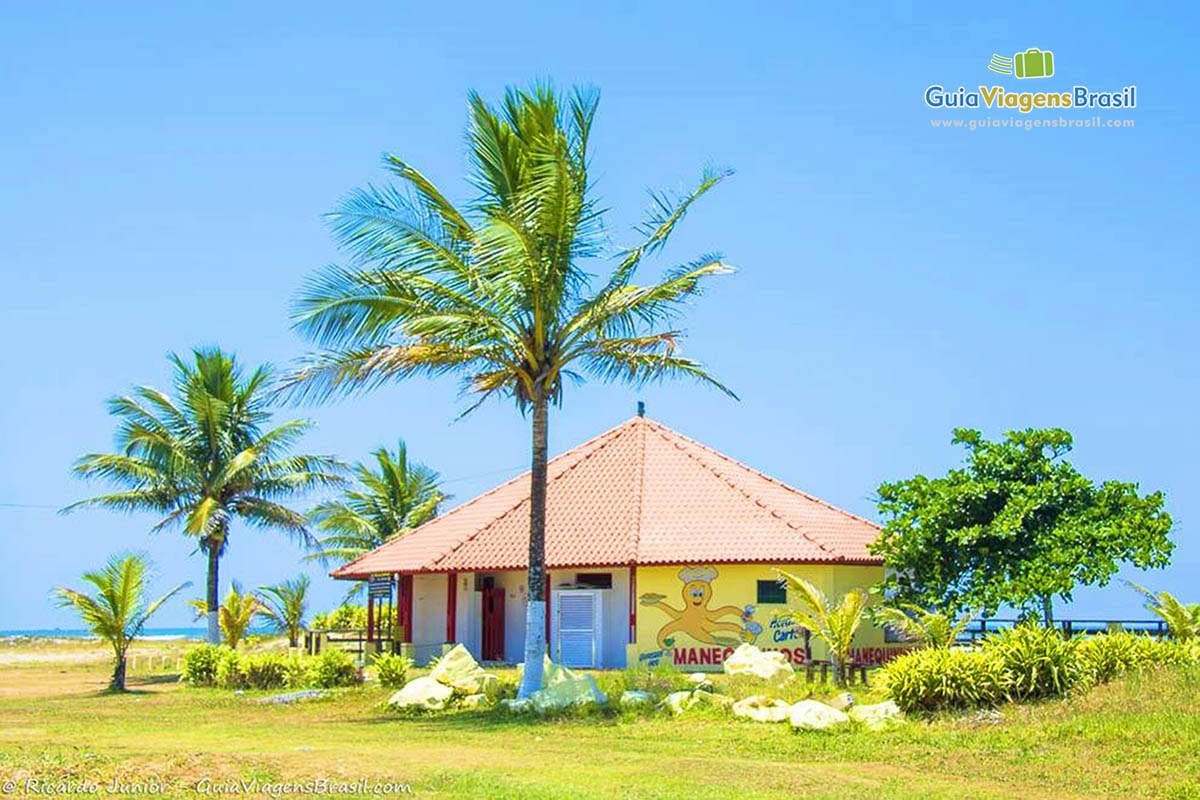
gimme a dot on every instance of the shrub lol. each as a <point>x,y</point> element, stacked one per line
<point>938,678</point>
<point>1040,662</point>
<point>392,670</point>
<point>200,664</point>
<point>274,671</point>
<point>333,668</point>
<point>341,618</point>
<point>231,670</point>
<point>659,680</point>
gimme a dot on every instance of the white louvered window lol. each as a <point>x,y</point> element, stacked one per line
<point>578,627</point>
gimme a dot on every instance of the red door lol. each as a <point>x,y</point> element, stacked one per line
<point>493,624</point>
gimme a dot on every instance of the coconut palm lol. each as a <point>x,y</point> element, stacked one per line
<point>924,627</point>
<point>834,623</point>
<point>118,611</point>
<point>284,606</point>
<point>204,458</point>
<point>1183,619</point>
<point>234,615</point>
<point>498,291</point>
<point>391,498</point>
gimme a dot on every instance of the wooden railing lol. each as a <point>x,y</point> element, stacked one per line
<point>978,628</point>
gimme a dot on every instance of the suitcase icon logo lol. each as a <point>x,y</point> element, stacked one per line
<point>1033,63</point>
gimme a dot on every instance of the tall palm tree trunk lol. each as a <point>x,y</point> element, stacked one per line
<point>212,595</point>
<point>535,608</point>
<point>117,684</point>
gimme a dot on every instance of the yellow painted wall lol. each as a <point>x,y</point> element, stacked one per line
<point>694,616</point>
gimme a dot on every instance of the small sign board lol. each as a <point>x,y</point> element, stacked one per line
<point>380,586</point>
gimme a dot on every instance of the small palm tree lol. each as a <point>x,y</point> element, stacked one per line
<point>118,612</point>
<point>284,606</point>
<point>922,626</point>
<point>1183,619</point>
<point>390,499</point>
<point>833,623</point>
<point>234,615</point>
<point>203,459</point>
<point>501,292</point>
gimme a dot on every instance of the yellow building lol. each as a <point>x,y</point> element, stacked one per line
<point>658,549</point>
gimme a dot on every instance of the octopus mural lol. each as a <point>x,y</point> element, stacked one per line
<point>705,625</point>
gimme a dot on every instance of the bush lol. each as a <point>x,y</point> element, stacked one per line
<point>231,670</point>
<point>333,668</point>
<point>659,681</point>
<point>342,618</point>
<point>1040,662</point>
<point>392,670</point>
<point>200,664</point>
<point>274,671</point>
<point>934,679</point>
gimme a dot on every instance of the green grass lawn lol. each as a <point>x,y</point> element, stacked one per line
<point>1139,737</point>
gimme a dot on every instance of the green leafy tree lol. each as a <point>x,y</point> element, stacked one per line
<point>922,626</point>
<point>833,622</point>
<point>1183,619</point>
<point>234,615</point>
<point>388,500</point>
<point>499,291</point>
<point>1017,525</point>
<point>284,606</point>
<point>118,611</point>
<point>203,459</point>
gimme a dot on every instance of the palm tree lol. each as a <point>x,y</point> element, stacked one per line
<point>203,459</point>
<point>498,292</point>
<point>834,623</point>
<point>926,628</point>
<point>118,612</point>
<point>284,606</point>
<point>1183,619</point>
<point>389,500</point>
<point>234,615</point>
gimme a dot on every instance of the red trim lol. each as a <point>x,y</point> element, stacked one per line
<point>370,617</point>
<point>406,606</point>
<point>830,562</point>
<point>633,603</point>
<point>546,597</point>
<point>451,604</point>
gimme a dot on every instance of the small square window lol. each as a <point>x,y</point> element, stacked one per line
<point>772,593</point>
<point>594,580</point>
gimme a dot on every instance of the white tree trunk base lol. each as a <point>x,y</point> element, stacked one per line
<point>535,647</point>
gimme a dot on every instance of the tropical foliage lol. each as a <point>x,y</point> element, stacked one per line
<point>343,618</point>
<point>498,290</point>
<point>284,606</point>
<point>118,611</point>
<point>234,615</point>
<point>922,626</point>
<point>834,623</point>
<point>1183,619</point>
<point>205,457</point>
<point>388,499</point>
<point>1017,525</point>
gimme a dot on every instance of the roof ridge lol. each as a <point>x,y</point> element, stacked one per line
<point>745,492</point>
<point>641,495</point>
<point>769,478</point>
<point>601,441</point>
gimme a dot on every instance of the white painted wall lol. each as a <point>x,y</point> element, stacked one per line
<point>429,611</point>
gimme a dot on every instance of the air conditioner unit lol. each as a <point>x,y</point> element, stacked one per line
<point>578,615</point>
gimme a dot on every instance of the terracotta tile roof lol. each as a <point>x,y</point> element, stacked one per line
<point>637,494</point>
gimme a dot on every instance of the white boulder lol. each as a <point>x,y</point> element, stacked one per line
<point>760,709</point>
<point>424,693</point>
<point>772,666</point>
<point>812,715</point>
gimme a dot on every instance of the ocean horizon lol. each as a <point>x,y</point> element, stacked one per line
<point>83,633</point>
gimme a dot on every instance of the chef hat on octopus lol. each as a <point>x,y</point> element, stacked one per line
<point>703,574</point>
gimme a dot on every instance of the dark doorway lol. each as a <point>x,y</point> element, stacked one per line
<point>493,622</point>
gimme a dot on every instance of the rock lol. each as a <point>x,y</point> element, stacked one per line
<point>635,698</point>
<point>294,697</point>
<point>841,701</point>
<point>760,709</point>
<point>771,666</point>
<point>811,715</point>
<point>562,688</point>
<point>474,702</point>
<point>423,692</point>
<point>679,702</point>
<point>876,716</point>
<point>517,706</point>
<point>459,670</point>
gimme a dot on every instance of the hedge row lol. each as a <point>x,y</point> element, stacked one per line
<point>220,666</point>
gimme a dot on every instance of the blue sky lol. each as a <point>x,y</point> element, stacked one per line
<point>166,167</point>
